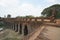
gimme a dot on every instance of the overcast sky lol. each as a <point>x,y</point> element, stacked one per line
<point>24,7</point>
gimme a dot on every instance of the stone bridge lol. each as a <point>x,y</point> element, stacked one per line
<point>28,26</point>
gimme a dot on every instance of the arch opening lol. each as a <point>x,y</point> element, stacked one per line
<point>17,28</point>
<point>25,30</point>
<point>14,27</point>
<point>20,31</point>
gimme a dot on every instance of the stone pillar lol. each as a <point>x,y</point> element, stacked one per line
<point>29,29</point>
<point>23,29</point>
<point>13,26</point>
<point>18,27</point>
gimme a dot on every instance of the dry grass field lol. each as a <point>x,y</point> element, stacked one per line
<point>9,35</point>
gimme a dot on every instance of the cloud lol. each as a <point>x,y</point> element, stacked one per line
<point>27,9</point>
<point>6,3</point>
<point>22,10</point>
<point>18,8</point>
<point>53,1</point>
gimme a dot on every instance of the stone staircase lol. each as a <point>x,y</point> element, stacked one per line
<point>38,31</point>
<point>34,34</point>
<point>43,35</point>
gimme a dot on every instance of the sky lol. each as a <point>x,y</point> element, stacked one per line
<point>24,7</point>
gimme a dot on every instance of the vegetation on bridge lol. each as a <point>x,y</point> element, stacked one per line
<point>28,16</point>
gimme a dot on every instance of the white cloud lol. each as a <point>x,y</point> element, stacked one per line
<point>51,0</point>
<point>27,9</point>
<point>12,7</point>
<point>6,3</point>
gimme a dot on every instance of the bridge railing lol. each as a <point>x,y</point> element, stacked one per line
<point>26,19</point>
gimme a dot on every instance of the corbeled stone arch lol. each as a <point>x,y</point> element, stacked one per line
<point>20,28</point>
<point>16,28</point>
<point>13,26</point>
<point>25,29</point>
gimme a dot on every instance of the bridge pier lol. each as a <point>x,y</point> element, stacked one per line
<point>13,27</point>
<point>29,29</point>
<point>23,29</point>
<point>18,27</point>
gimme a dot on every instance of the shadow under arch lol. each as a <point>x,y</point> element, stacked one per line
<point>16,28</point>
<point>25,30</point>
<point>20,31</point>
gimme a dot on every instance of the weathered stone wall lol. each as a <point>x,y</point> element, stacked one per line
<point>31,24</point>
<point>58,21</point>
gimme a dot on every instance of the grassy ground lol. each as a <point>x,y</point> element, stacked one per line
<point>9,35</point>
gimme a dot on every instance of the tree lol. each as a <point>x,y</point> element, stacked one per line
<point>8,16</point>
<point>18,17</point>
<point>47,12</point>
<point>29,16</point>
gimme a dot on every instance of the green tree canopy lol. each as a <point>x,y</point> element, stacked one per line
<point>8,16</point>
<point>28,16</point>
<point>47,12</point>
